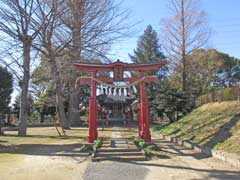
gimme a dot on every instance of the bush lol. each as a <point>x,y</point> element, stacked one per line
<point>86,148</point>
<point>33,118</point>
<point>227,94</point>
<point>137,141</point>
<point>142,144</point>
<point>98,143</point>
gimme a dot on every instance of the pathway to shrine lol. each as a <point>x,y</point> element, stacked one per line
<point>173,162</point>
<point>119,148</point>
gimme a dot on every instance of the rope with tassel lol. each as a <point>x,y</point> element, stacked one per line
<point>110,85</point>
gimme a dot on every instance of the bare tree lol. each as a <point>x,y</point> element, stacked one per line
<point>52,44</point>
<point>185,31</point>
<point>94,25</point>
<point>17,25</point>
<point>80,28</point>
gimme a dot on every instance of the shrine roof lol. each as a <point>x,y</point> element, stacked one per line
<point>111,99</point>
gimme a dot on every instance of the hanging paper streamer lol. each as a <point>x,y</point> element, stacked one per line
<point>134,89</point>
<point>101,89</point>
<point>124,91</point>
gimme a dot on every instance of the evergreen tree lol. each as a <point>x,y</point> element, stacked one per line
<point>6,89</point>
<point>148,48</point>
<point>149,51</point>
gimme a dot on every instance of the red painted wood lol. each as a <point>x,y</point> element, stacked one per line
<point>141,106</point>
<point>92,116</point>
<point>111,80</point>
<point>110,67</point>
<point>144,114</point>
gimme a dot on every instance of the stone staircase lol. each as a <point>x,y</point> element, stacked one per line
<point>119,155</point>
<point>118,149</point>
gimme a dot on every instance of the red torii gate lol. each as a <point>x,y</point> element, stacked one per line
<point>118,68</point>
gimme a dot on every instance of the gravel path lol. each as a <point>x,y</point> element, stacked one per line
<point>110,170</point>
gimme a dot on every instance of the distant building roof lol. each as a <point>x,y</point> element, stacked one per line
<point>116,99</point>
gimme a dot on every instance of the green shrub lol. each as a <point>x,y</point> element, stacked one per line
<point>148,150</point>
<point>98,143</point>
<point>227,94</point>
<point>137,141</point>
<point>86,148</point>
<point>142,144</point>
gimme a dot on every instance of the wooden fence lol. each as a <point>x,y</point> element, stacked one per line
<point>228,94</point>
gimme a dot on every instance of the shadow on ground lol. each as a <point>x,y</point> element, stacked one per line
<point>211,173</point>
<point>47,136</point>
<point>223,133</point>
<point>171,148</point>
<point>68,150</point>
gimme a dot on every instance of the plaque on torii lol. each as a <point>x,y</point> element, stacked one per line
<point>118,69</point>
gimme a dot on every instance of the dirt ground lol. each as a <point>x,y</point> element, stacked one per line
<point>44,155</point>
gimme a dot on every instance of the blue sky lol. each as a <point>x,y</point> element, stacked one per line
<point>223,17</point>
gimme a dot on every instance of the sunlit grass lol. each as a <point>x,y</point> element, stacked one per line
<point>215,125</point>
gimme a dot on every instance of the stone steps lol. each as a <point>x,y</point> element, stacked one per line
<point>117,148</point>
<point>119,154</point>
<point>120,158</point>
<point>107,154</point>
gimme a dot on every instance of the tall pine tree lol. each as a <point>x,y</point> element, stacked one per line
<point>6,89</point>
<point>149,51</point>
<point>148,48</point>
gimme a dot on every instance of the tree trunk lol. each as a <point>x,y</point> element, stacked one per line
<point>59,94</point>
<point>42,118</point>
<point>183,50</point>
<point>60,108</point>
<point>73,109</point>
<point>184,75</point>
<point>24,88</point>
<point>73,113</point>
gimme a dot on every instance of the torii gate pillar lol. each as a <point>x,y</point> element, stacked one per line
<point>92,117</point>
<point>144,113</point>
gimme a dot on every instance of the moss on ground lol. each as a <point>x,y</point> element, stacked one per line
<point>216,125</point>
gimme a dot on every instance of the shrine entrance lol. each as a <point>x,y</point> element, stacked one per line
<point>115,108</point>
<point>115,105</point>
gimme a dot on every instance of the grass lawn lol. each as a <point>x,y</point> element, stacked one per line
<point>215,125</point>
